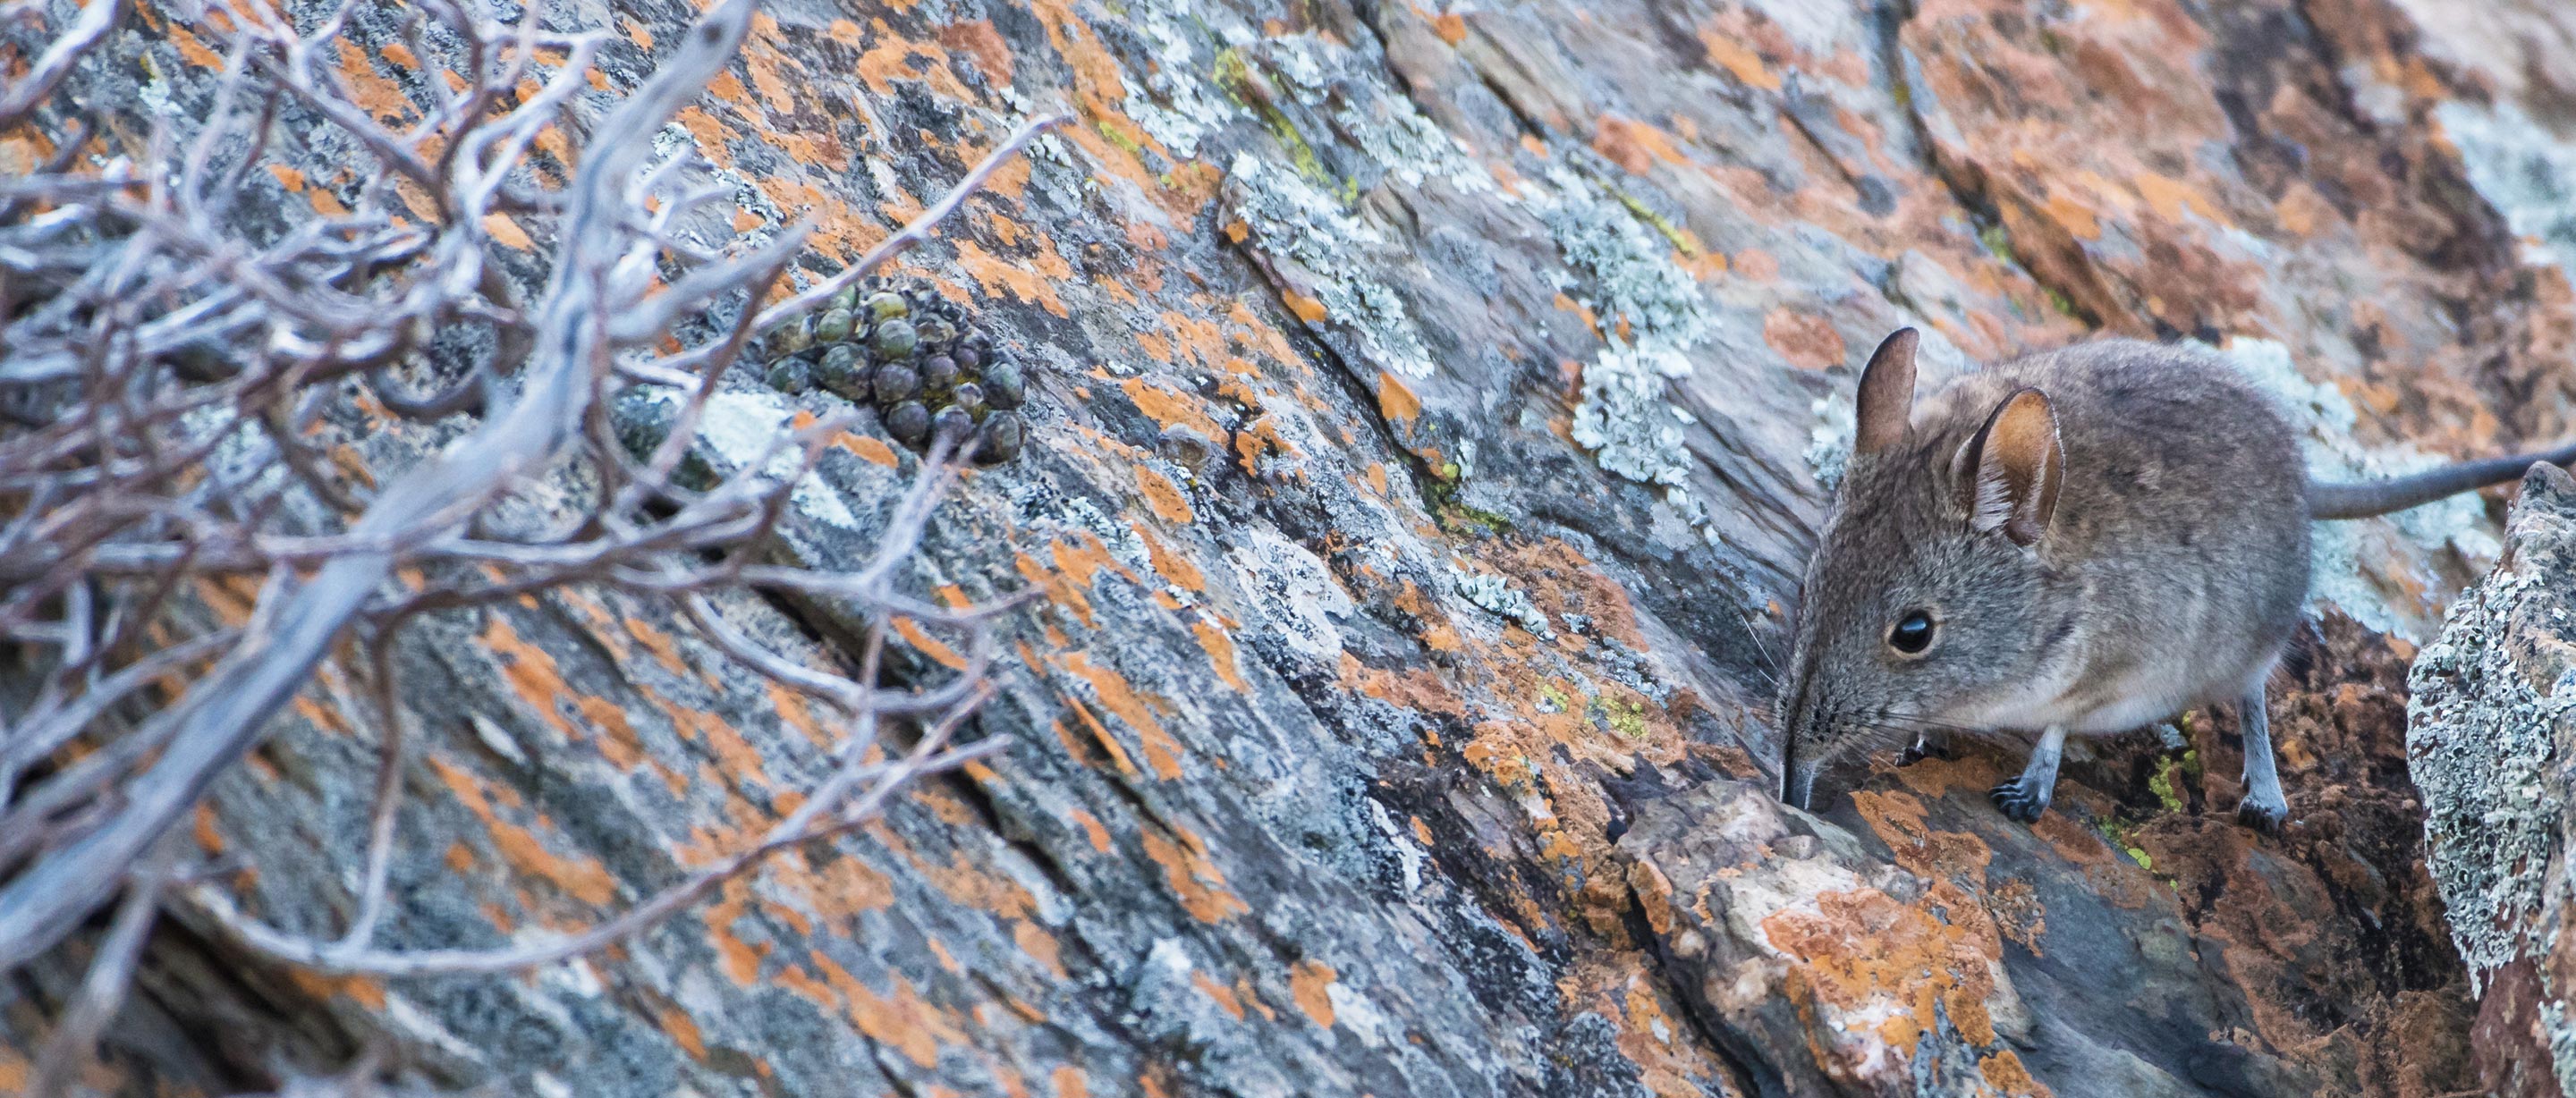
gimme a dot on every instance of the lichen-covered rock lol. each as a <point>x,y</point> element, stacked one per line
<point>1422,412</point>
<point>2492,735</point>
<point>2137,943</point>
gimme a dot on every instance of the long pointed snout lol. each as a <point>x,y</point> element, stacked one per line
<point>1797,768</point>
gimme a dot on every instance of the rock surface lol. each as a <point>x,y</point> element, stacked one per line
<point>2492,734</point>
<point>1430,407</point>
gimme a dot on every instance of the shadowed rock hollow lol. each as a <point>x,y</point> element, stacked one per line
<point>1430,409</point>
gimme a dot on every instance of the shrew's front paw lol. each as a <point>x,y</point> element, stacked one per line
<point>2018,803</point>
<point>2263,814</point>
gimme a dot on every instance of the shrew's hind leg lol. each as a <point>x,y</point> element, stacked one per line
<point>2264,807</point>
<point>2026,797</point>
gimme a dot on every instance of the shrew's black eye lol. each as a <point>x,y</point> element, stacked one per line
<point>1912,633</point>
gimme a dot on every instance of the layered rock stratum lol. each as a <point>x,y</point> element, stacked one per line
<point>1429,407</point>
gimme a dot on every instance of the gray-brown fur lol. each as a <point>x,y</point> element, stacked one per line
<point>2166,570</point>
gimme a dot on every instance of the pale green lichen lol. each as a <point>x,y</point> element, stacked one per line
<point>1551,699</point>
<point>1627,278</point>
<point>1492,594</point>
<point>1172,102</point>
<point>1331,80</point>
<point>1627,718</point>
<point>2562,1043</point>
<point>2482,743</point>
<point>1247,87</point>
<point>1829,442</point>
<point>1313,243</point>
<point>2526,172</point>
<point>2161,784</point>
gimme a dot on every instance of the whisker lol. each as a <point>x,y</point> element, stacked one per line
<point>1905,723</point>
<point>1754,637</point>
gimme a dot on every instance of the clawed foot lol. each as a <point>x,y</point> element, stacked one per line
<point>2018,804</point>
<point>2263,815</point>
<point>1919,750</point>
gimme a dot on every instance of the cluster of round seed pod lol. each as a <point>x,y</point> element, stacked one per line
<point>916,358</point>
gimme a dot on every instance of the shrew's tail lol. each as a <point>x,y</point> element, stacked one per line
<point>2379,497</point>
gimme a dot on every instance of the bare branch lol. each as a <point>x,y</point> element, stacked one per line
<point>221,718</point>
<point>102,990</point>
<point>178,363</point>
<point>38,84</point>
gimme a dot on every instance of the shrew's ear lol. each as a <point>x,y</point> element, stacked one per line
<point>1886,394</point>
<point>2018,465</point>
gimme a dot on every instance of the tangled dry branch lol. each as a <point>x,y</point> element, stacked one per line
<point>168,349</point>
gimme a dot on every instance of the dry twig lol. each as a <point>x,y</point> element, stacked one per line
<point>168,349</point>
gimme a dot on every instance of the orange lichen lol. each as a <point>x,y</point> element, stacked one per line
<point>1060,590</point>
<point>1169,564</point>
<point>1099,734</point>
<point>928,645</point>
<point>1169,409</point>
<point>507,232</point>
<point>208,838</point>
<point>1899,821</point>
<point>321,716</point>
<point>1092,829</point>
<point>2005,1071</point>
<point>843,889</point>
<point>867,448</point>
<point>1162,752</point>
<point>1220,651</point>
<point>1395,403</point>
<point>1195,880</point>
<point>740,960</point>
<point>1808,341</point>
<point>582,877</point>
<point>2170,197</point>
<point>372,91</point>
<point>1163,496</point>
<point>909,59</point>
<point>1040,945</point>
<point>1863,944</point>
<point>899,1019</point>
<point>1069,1083</point>
<point>618,741</point>
<point>1031,279</point>
<point>193,51</point>
<point>742,762</point>
<point>684,1031</point>
<point>983,46</point>
<point>366,991</point>
<point>1305,308</point>
<point>657,642</point>
<point>794,709</point>
<point>1633,145</point>
<point>1309,982</point>
<point>1083,556</point>
<point>1222,995</point>
<point>1744,63</point>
